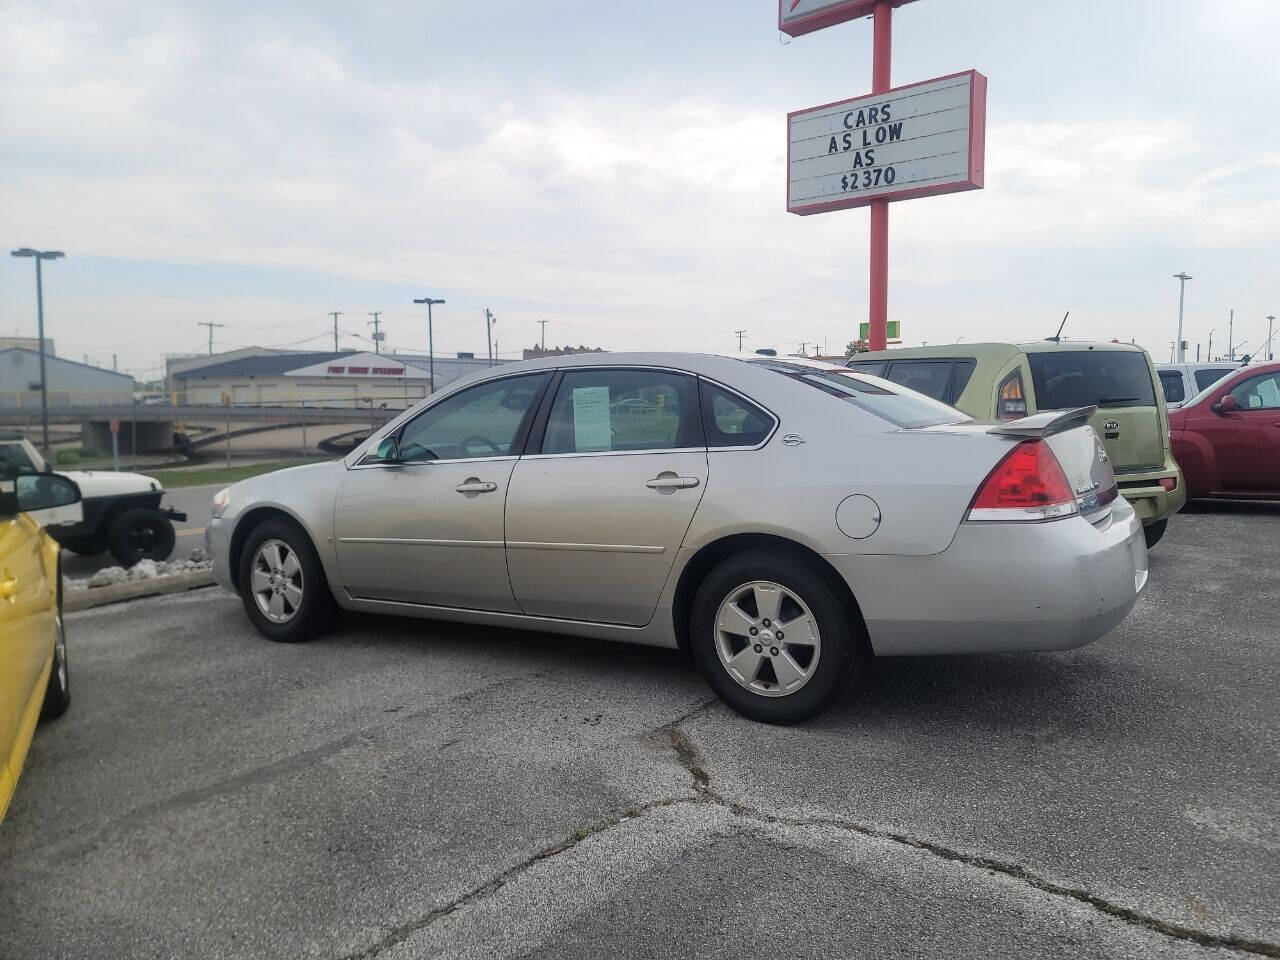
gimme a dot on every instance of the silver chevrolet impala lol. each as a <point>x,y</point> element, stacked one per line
<point>782,520</point>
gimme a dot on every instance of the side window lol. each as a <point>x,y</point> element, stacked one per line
<point>873,367</point>
<point>731,421</point>
<point>601,410</point>
<point>1259,393</point>
<point>1207,378</point>
<point>483,421</point>
<point>964,372</point>
<point>1011,402</point>
<point>1175,390</point>
<point>930,377</point>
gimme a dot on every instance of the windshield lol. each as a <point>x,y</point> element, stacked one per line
<point>1081,378</point>
<point>901,407</point>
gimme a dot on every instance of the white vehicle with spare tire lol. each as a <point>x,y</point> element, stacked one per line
<point>121,512</point>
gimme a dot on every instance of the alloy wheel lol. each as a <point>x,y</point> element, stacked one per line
<point>767,639</point>
<point>276,581</point>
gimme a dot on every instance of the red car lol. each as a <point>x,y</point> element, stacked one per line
<point>1227,438</point>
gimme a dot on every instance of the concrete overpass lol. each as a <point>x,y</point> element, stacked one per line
<point>153,424</point>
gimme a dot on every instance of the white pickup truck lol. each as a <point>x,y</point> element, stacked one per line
<point>118,512</point>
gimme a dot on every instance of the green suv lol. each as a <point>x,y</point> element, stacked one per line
<point>1005,381</point>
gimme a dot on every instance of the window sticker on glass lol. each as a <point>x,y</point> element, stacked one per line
<point>591,428</point>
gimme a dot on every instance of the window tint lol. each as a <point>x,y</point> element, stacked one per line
<point>1081,378</point>
<point>1175,390</point>
<point>731,421</point>
<point>1259,393</point>
<point>482,421</point>
<point>964,372</point>
<point>930,377</point>
<point>874,396</point>
<point>1207,378</point>
<point>601,410</point>
<point>873,367</point>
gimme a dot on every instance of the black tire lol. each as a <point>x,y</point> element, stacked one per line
<point>840,657</point>
<point>315,611</point>
<point>140,534</point>
<point>89,546</point>
<point>57,696</point>
<point>1154,531</point>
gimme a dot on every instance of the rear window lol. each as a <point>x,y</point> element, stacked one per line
<point>873,367</point>
<point>1081,378</point>
<point>1175,390</point>
<point>1207,378</point>
<point>930,377</point>
<point>873,395</point>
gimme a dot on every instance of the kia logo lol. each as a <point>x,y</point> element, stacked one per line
<point>1111,425</point>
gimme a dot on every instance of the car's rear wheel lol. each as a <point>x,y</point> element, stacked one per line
<point>282,583</point>
<point>1154,531</point>
<point>57,697</point>
<point>773,637</point>
<point>140,534</point>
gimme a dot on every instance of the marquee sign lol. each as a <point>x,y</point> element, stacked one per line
<point>919,140</point>
<point>797,17</point>
<point>361,365</point>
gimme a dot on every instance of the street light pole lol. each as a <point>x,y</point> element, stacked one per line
<point>1270,353</point>
<point>1209,353</point>
<point>1182,279</point>
<point>431,342</point>
<point>40,255</point>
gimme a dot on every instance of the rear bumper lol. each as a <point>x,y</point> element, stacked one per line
<point>1003,587</point>
<point>1150,500</point>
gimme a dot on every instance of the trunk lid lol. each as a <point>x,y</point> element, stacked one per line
<point>1081,454</point>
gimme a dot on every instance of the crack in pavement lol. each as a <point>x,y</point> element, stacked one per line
<point>690,757</point>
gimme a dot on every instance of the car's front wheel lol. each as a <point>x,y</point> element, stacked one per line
<point>282,583</point>
<point>773,637</point>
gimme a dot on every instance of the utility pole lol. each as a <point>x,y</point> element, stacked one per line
<point>206,323</point>
<point>543,324</point>
<point>377,334</point>
<point>40,256</point>
<point>1270,322</point>
<point>489,321</point>
<point>1208,354</point>
<point>740,334</point>
<point>803,344</point>
<point>1231,336</point>
<point>431,343</point>
<point>1182,279</point>
<point>335,314</point>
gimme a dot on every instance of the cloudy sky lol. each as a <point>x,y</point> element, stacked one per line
<point>618,169</point>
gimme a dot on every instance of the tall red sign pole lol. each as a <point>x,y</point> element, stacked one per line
<point>881,57</point>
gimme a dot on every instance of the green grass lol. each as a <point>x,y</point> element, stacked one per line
<point>171,479</point>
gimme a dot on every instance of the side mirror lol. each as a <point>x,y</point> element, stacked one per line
<point>388,450</point>
<point>43,491</point>
<point>1226,405</point>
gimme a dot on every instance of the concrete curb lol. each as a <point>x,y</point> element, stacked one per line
<point>74,600</point>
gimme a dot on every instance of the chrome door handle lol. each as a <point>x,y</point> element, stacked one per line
<point>476,486</point>
<point>672,483</point>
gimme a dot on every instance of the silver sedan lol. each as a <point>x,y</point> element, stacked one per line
<point>781,520</point>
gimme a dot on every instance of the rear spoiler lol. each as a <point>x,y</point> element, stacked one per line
<point>1045,424</point>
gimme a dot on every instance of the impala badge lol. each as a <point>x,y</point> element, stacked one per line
<point>793,440</point>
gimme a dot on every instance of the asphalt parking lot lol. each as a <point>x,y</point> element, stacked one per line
<point>417,789</point>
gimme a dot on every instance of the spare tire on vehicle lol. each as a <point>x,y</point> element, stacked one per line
<point>140,534</point>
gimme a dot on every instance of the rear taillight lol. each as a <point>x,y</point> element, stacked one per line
<point>1028,484</point>
<point>1170,484</point>
<point>1012,403</point>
